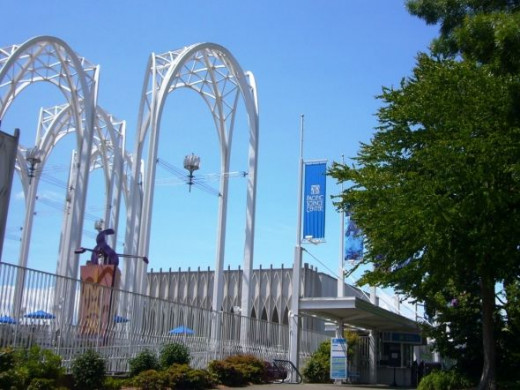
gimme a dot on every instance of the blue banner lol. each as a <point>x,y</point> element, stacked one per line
<point>314,200</point>
<point>353,239</point>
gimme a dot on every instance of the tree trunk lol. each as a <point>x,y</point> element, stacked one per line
<point>488,378</point>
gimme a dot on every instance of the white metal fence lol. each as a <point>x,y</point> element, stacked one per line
<point>50,311</point>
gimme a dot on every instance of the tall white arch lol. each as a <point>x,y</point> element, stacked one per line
<point>211,71</point>
<point>50,59</point>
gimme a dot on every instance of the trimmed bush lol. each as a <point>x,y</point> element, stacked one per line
<point>88,371</point>
<point>7,359</point>
<point>42,384</point>
<point>444,380</point>
<point>227,374</point>
<point>252,368</point>
<point>150,380</point>
<point>174,353</point>
<point>144,361</point>
<point>181,376</point>
<point>112,383</point>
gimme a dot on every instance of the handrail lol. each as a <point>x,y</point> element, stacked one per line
<point>289,368</point>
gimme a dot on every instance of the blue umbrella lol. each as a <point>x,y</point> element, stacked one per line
<point>7,320</point>
<point>40,315</point>
<point>120,319</point>
<point>181,330</point>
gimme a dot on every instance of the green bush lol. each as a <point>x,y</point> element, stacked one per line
<point>181,376</point>
<point>252,368</point>
<point>444,380</point>
<point>112,383</point>
<point>42,384</point>
<point>8,376</point>
<point>174,353</point>
<point>227,374</point>
<point>144,361</point>
<point>198,379</point>
<point>150,380</point>
<point>32,363</point>
<point>7,359</point>
<point>88,371</point>
<point>317,369</point>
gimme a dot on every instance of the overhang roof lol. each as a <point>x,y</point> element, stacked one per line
<point>357,312</point>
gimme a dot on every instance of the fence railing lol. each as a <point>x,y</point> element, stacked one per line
<point>69,317</point>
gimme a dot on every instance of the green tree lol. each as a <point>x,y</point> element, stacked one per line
<point>437,192</point>
<point>485,31</point>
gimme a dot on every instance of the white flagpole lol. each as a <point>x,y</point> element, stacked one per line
<point>341,277</point>
<point>295,299</point>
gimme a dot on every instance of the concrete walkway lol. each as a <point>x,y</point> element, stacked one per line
<point>321,386</point>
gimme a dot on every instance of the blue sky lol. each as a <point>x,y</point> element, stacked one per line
<point>324,59</point>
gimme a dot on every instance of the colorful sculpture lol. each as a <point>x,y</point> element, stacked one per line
<point>103,251</point>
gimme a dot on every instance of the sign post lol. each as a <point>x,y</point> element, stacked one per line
<point>338,359</point>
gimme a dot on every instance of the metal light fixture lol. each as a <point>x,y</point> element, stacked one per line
<point>32,156</point>
<point>191,163</point>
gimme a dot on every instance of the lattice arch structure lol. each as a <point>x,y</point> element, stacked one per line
<point>49,59</point>
<point>211,71</point>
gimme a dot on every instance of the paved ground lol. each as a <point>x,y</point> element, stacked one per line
<point>314,386</point>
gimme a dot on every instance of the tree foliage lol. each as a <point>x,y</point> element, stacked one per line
<point>437,193</point>
<point>485,31</point>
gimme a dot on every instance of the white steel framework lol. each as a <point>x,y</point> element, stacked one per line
<point>206,68</point>
<point>50,59</point>
<point>211,71</point>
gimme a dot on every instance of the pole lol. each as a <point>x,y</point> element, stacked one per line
<point>341,277</point>
<point>295,300</point>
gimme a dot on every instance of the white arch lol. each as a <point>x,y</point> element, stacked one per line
<point>50,59</point>
<point>211,71</point>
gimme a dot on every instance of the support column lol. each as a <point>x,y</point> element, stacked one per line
<point>373,353</point>
<point>374,342</point>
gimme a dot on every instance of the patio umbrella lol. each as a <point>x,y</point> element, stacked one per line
<point>120,319</point>
<point>181,330</point>
<point>7,320</point>
<point>40,315</point>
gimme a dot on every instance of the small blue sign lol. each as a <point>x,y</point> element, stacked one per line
<point>338,359</point>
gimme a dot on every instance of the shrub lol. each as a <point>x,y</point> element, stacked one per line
<point>112,383</point>
<point>198,379</point>
<point>150,380</point>
<point>181,376</point>
<point>226,373</point>
<point>36,362</point>
<point>8,375</point>
<point>42,384</point>
<point>174,353</point>
<point>144,361</point>
<point>88,371</point>
<point>252,368</point>
<point>317,369</point>
<point>7,359</point>
<point>444,380</point>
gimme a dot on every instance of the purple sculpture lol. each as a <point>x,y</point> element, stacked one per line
<point>103,250</point>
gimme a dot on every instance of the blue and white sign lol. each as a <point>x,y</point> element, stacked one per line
<point>353,239</point>
<point>338,359</point>
<point>314,200</point>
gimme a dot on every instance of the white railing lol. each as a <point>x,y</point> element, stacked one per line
<point>130,323</point>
